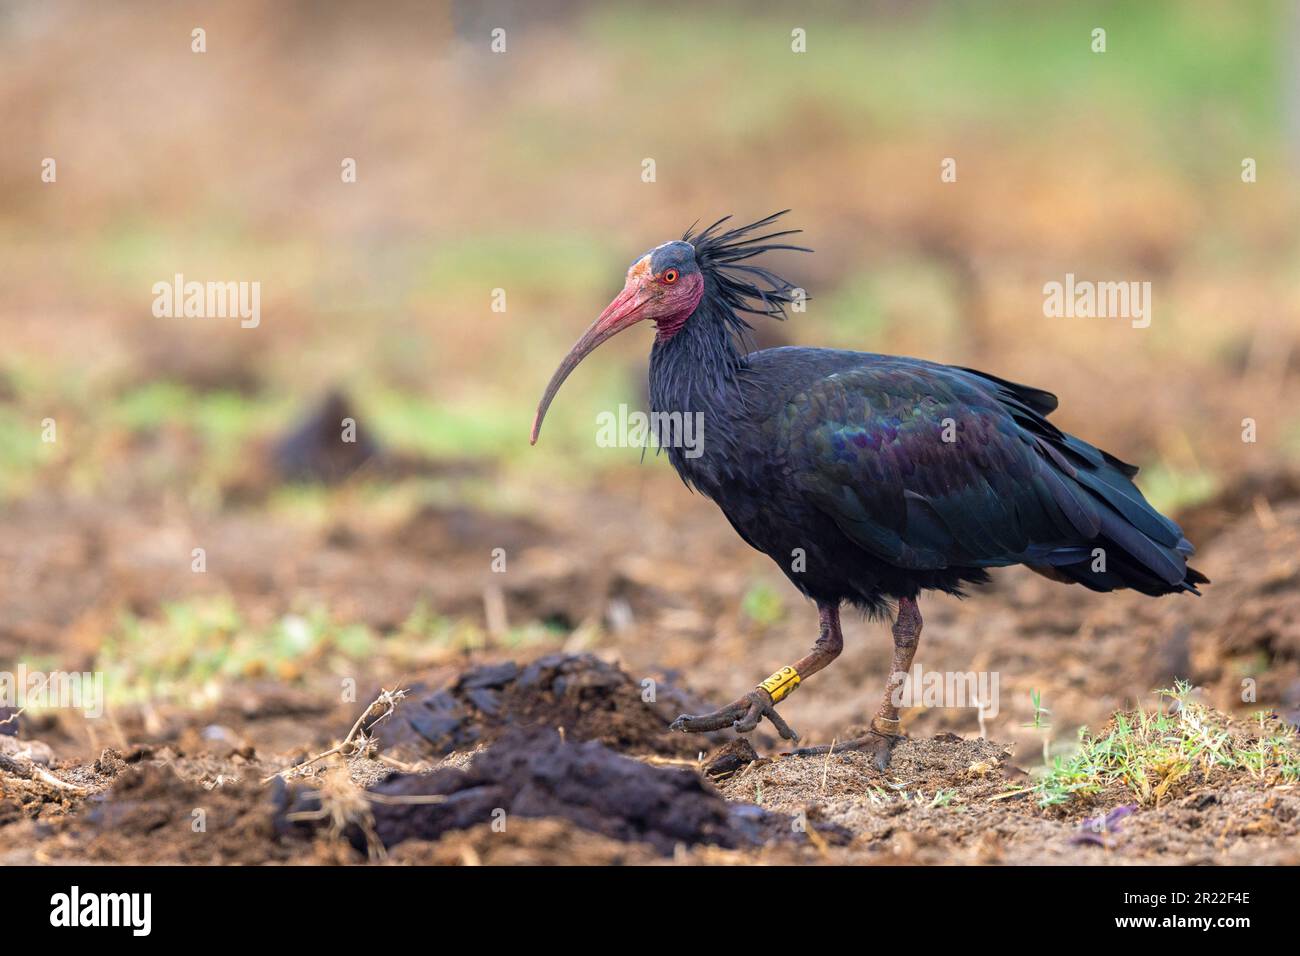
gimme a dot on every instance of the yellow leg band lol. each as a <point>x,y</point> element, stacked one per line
<point>781,684</point>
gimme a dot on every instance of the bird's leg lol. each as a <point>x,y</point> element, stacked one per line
<point>744,714</point>
<point>885,726</point>
<point>907,634</point>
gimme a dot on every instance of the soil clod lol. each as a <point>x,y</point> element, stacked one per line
<point>730,758</point>
<point>585,696</point>
<point>538,774</point>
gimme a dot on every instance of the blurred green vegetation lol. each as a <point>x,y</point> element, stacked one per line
<point>762,604</point>
<point>223,420</point>
<point>1171,489</point>
<point>194,648</point>
<point>955,62</point>
<point>22,453</point>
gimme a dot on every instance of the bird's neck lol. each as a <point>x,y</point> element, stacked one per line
<point>695,369</point>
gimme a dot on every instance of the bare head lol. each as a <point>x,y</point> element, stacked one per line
<point>666,285</point>
<point>663,286</point>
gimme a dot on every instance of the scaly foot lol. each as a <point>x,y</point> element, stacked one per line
<point>742,715</point>
<point>878,745</point>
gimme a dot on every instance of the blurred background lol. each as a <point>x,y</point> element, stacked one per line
<point>522,171</point>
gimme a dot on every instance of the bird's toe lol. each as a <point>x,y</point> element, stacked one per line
<point>878,746</point>
<point>749,720</point>
<point>689,724</point>
<point>705,723</point>
<point>785,730</point>
<point>743,716</point>
<point>881,748</point>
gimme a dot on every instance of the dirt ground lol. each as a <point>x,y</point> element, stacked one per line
<point>451,776</point>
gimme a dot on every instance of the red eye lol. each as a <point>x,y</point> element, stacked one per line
<point>670,276</point>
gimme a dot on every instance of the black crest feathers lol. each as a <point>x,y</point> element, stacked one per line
<point>741,287</point>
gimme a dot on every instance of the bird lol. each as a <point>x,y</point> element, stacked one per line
<point>869,479</point>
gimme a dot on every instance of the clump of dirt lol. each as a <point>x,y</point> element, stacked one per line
<point>323,446</point>
<point>586,697</point>
<point>730,758</point>
<point>331,444</point>
<point>539,774</point>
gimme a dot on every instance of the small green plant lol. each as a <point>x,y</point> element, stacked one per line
<point>1036,698</point>
<point>942,798</point>
<point>1040,723</point>
<point>1150,752</point>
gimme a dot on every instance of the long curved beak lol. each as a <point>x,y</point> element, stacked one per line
<point>623,312</point>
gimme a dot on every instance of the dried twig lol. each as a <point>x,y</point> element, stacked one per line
<point>44,776</point>
<point>827,765</point>
<point>419,766</point>
<point>387,701</point>
<point>655,760</point>
<point>1010,794</point>
<point>29,770</point>
<point>398,799</point>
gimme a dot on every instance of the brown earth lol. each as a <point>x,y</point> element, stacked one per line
<point>942,800</point>
<point>949,795</point>
<point>944,797</point>
<point>637,613</point>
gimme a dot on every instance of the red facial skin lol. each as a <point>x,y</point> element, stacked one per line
<point>681,305</point>
<point>667,298</point>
